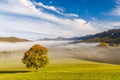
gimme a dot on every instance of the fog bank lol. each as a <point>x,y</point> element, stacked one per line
<point>59,50</point>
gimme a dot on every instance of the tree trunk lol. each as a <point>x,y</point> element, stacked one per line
<point>36,69</point>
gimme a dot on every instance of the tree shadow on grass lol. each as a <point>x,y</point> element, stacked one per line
<point>13,72</point>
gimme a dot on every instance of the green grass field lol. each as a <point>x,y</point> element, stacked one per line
<point>63,70</point>
<point>63,66</point>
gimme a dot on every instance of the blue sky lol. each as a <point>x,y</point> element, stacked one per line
<point>84,8</point>
<point>34,19</point>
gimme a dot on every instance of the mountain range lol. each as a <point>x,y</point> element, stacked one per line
<point>55,39</point>
<point>113,34</point>
<point>110,36</point>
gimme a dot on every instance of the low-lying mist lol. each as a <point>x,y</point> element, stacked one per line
<point>59,50</point>
<point>91,52</point>
<point>97,54</point>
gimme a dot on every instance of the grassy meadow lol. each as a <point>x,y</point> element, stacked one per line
<point>64,65</point>
<point>72,70</point>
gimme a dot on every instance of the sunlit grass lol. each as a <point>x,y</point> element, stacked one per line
<point>68,70</point>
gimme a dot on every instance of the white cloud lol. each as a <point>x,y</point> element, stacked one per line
<point>46,24</point>
<point>57,10</point>
<point>118,2</point>
<point>70,15</point>
<point>116,11</point>
<point>47,7</point>
<point>105,25</point>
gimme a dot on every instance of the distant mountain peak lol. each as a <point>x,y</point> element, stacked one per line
<point>58,38</point>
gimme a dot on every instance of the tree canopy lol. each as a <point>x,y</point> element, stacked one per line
<point>36,57</point>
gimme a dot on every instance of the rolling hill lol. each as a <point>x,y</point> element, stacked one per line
<point>12,39</point>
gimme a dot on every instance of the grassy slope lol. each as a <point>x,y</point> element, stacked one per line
<point>12,39</point>
<point>64,70</point>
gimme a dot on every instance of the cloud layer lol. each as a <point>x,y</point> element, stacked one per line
<point>116,10</point>
<point>21,18</point>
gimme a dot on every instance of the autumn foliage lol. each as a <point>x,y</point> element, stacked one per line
<point>103,44</point>
<point>36,57</point>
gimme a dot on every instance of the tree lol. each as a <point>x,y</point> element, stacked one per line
<point>36,57</point>
<point>103,44</point>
